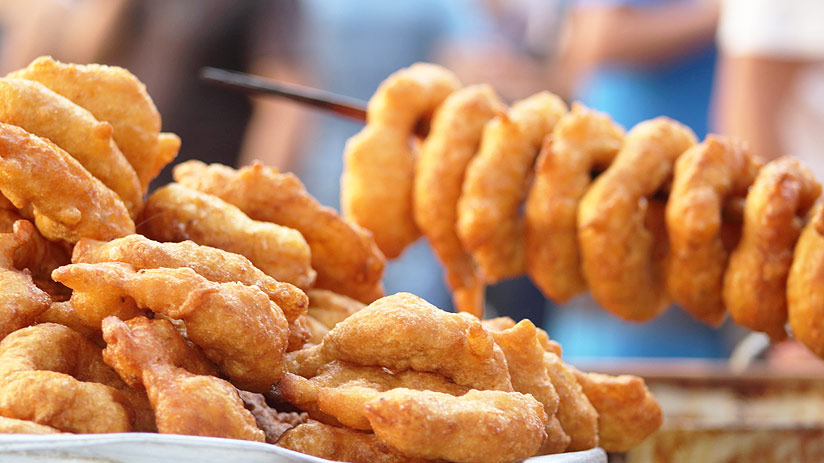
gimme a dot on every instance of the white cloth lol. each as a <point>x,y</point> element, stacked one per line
<point>781,29</point>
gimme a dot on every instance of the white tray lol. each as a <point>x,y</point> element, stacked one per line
<point>146,448</point>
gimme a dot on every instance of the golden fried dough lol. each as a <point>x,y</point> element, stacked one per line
<point>345,255</point>
<point>755,284</point>
<point>15,426</point>
<point>77,206</point>
<point>177,213</point>
<point>578,417</point>
<point>330,308</point>
<point>212,263</point>
<point>55,377</point>
<point>272,423</point>
<point>557,440</point>
<point>706,177</point>
<point>214,314</point>
<point>378,171</point>
<point>35,253</point>
<point>805,286</point>
<point>489,224</point>
<point>452,143</point>
<point>582,140</point>
<point>480,426</point>
<point>341,444</point>
<point>142,350</point>
<point>21,301</point>
<point>405,332</point>
<point>616,246</point>
<point>112,95</point>
<point>42,112</point>
<point>627,412</point>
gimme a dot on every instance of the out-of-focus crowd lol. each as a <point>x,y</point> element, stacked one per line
<point>749,68</point>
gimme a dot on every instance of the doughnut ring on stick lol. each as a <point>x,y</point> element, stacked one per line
<point>376,185</point>
<point>805,286</point>
<point>617,248</point>
<point>755,284</point>
<point>706,177</point>
<point>582,140</point>
<point>489,221</point>
<point>112,95</point>
<point>453,140</point>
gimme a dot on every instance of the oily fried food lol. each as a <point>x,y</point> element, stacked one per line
<point>330,308</point>
<point>73,207</point>
<point>15,426</point>
<point>239,328</point>
<point>378,163</point>
<point>272,423</point>
<point>112,95</point>
<point>21,301</point>
<point>62,313</point>
<point>341,444</point>
<point>42,112</point>
<point>582,141</point>
<point>317,330</point>
<point>557,440</point>
<point>627,412</point>
<point>479,426</point>
<point>707,176</point>
<point>452,143</point>
<point>177,213</point>
<point>345,255</point>
<point>35,253</point>
<point>578,417</point>
<point>143,352</point>
<point>212,263</point>
<point>403,332</point>
<point>755,284</point>
<point>55,377</point>
<point>805,286</point>
<point>616,246</point>
<point>489,224</point>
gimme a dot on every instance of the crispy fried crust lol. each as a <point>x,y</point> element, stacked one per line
<point>805,286</point>
<point>21,301</point>
<point>578,417</point>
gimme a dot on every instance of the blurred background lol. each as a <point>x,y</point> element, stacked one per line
<point>750,68</point>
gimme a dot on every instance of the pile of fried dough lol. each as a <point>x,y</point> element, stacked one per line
<point>640,219</point>
<point>232,291</point>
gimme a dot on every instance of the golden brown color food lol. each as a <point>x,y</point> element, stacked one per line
<point>42,112</point>
<point>805,286</point>
<point>272,423</point>
<point>112,95</point>
<point>177,213</point>
<point>341,444</point>
<point>706,177</point>
<point>497,178</point>
<point>330,308</point>
<point>578,417</point>
<point>403,331</point>
<point>582,140</point>
<point>77,206</point>
<point>345,255</point>
<point>143,352</point>
<point>55,377</point>
<point>627,412</point>
<point>377,180</point>
<point>214,314</point>
<point>480,426</point>
<point>616,246</point>
<point>212,263</point>
<point>15,426</point>
<point>21,301</point>
<point>35,253</point>
<point>755,284</point>
<point>452,142</point>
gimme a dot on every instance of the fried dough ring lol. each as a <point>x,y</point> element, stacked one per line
<point>21,301</point>
<point>214,314</point>
<point>578,417</point>
<point>112,95</point>
<point>376,185</point>
<point>805,286</point>
<point>616,247</point>
<point>77,206</point>
<point>212,263</point>
<point>55,377</point>
<point>706,177</point>
<point>581,141</point>
<point>497,178</point>
<point>42,112</point>
<point>452,142</point>
<point>147,352</point>
<point>755,284</point>
<point>344,255</point>
<point>177,213</point>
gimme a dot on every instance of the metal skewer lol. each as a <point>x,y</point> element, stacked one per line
<point>338,104</point>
